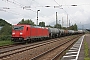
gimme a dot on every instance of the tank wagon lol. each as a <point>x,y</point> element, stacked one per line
<point>71,32</point>
<point>54,32</point>
<point>62,33</point>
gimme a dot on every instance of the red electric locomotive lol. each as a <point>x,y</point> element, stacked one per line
<point>24,33</point>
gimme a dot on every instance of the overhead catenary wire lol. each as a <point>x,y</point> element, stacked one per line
<point>23,6</point>
<point>13,3</point>
<point>29,7</point>
<point>2,10</point>
<point>18,4</point>
<point>14,12</point>
<point>58,3</point>
<point>66,11</point>
<point>10,12</point>
<point>60,6</point>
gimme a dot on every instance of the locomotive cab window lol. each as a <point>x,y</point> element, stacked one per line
<point>18,27</point>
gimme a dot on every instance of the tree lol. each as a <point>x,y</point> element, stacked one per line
<point>3,23</point>
<point>71,28</point>
<point>42,24</point>
<point>49,26</point>
<point>30,22</point>
<point>64,28</point>
<point>6,30</point>
<point>57,26</point>
<point>75,27</point>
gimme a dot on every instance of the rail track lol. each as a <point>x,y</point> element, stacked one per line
<point>7,46</point>
<point>11,53</point>
<point>50,55</point>
<point>12,45</point>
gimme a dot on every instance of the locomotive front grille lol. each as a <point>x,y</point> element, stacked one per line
<point>17,39</point>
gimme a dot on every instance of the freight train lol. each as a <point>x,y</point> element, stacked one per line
<point>28,33</point>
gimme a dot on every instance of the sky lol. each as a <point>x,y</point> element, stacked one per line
<point>13,11</point>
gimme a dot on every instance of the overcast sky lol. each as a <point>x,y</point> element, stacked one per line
<point>79,14</point>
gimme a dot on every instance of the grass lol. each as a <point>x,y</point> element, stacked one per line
<point>7,42</point>
<point>86,58</point>
<point>86,51</point>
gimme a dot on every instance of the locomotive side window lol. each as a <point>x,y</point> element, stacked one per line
<point>18,27</point>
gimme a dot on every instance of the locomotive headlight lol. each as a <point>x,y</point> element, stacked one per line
<point>21,33</point>
<point>13,33</point>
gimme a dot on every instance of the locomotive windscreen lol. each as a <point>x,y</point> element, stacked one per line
<point>18,27</point>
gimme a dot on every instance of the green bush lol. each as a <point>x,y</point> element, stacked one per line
<point>6,42</point>
<point>87,58</point>
<point>5,37</point>
<point>86,51</point>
